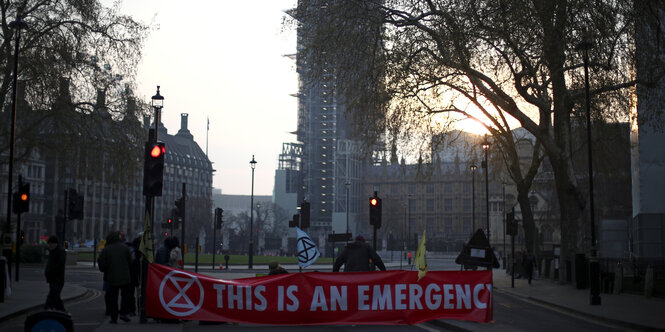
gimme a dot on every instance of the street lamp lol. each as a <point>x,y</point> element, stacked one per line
<point>486,147</point>
<point>252,163</point>
<point>157,103</point>
<point>594,269</point>
<point>18,25</point>
<point>473,198</point>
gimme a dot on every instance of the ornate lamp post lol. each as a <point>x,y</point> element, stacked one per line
<point>252,163</point>
<point>594,268</point>
<point>486,147</point>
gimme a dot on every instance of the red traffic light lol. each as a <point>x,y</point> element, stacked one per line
<point>157,151</point>
<point>24,197</point>
<point>373,201</point>
<point>170,220</point>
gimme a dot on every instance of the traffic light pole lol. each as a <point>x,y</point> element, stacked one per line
<point>214,241</point>
<point>182,224</point>
<point>18,231</point>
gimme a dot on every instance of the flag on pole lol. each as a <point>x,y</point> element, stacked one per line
<point>306,249</point>
<point>421,258</point>
<point>146,246</point>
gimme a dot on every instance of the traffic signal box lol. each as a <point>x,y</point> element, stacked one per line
<point>375,211</point>
<point>153,169</point>
<point>179,211</point>
<point>21,199</point>
<point>218,218</point>
<point>74,205</point>
<point>295,222</point>
<point>511,224</point>
<point>168,224</point>
<point>304,214</point>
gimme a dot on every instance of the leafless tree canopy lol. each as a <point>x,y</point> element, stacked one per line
<point>493,60</point>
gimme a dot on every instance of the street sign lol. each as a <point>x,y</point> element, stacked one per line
<point>339,237</point>
<point>477,252</point>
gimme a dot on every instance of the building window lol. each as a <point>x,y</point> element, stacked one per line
<point>430,205</point>
<point>447,188</point>
<point>412,189</point>
<point>448,204</point>
<point>466,205</point>
<point>430,188</point>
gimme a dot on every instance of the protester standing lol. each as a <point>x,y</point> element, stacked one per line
<point>116,262</point>
<point>162,255</point>
<point>356,257</point>
<point>55,274</point>
<point>175,255</point>
<point>276,268</point>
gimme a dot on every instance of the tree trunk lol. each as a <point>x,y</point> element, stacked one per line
<point>527,218</point>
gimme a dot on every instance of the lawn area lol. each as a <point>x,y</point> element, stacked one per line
<point>87,256</point>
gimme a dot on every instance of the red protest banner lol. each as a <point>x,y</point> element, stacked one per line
<point>318,298</point>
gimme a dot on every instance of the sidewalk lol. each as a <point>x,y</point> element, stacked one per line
<point>624,310</point>
<point>27,295</point>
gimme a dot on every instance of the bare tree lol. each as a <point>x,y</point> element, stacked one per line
<point>500,62</point>
<point>70,51</point>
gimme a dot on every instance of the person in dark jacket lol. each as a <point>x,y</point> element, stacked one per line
<point>163,253</point>
<point>528,262</point>
<point>356,257</point>
<point>55,274</point>
<point>116,263</point>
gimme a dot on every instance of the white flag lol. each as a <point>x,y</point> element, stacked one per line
<point>306,249</point>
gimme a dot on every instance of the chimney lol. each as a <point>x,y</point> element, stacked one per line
<point>184,132</point>
<point>183,121</point>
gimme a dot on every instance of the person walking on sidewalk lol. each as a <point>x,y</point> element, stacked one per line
<point>55,274</point>
<point>356,257</point>
<point>528,262</point>
<point>116,262</point>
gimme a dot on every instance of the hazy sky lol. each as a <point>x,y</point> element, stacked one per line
<point>223,60</point>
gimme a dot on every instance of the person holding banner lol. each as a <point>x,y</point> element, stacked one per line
<point>356,257</point>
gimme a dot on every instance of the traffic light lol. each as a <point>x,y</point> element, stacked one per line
<point>511,225</point>
<point>295,221</point>
<point>218,218</point>
<point>375,211</point>
<point>153,169</point>
<point>74,205</point>
<point>168,224</point>
<point>21,198</point>
<point>304,214</point>
<point>21,238</point>
<point>179,211</point>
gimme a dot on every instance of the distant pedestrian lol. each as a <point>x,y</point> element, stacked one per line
<point>55,274</point>
<point>356,257</point>
<point>116,263</point>
<point>276,268</point>
<point>528,263</point>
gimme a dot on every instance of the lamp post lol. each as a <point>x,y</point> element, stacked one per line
<point>473,198</point>
<point>252,163</point>
<point>503,212</point>
<point>157,102</point>
<point>18,25</point>
<point>486,147</point>
<point>594,269</point>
